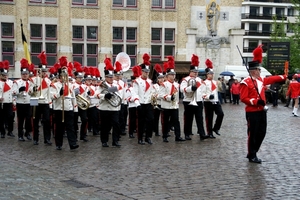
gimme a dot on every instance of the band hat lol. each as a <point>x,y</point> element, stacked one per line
<point>253,65</point>
<point>118,70</point>
<point>24,66</point>
<point>171,72</point>
<point>171,66</point>
<point>145,68</point>
<point>4,67</point>
<point>109,69</point>
<point>209,67</point>
<point>194,63</point>
<point>109,73</point>
<point>43,61</point>
<point>79,70</point>
<point>257,58</point>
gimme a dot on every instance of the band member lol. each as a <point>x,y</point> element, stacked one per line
<point>80,89</point>
<point>122,86</point>
<point>6,99</point>
<point>53,78</point>
<point>158,78</point>
<point>192,87</point>
<point>109,106</point>
<point>211,102</point>
<point>92,111</point>
<point>41,84</point>
<point>169,93</point>
<point>133,102</point>
<point>21,91</point>
<point>64,105</point>
<point>253,95</point>
<point>143,87</point>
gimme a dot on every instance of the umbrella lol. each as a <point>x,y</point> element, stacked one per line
<point>227,74</point>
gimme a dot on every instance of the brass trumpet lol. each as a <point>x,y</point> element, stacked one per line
<point>192,82</point>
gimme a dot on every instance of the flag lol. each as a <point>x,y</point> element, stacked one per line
<point>25,47</point>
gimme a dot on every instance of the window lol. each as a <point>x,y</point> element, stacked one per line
<point>253,27</point>
<point>85,2</point>
<point>7,30</point>
<point>166,4</point>
<point>156,34</point>
<point>266,28</point>
<point>36,30</point>
<point>163,43</point>
<point>92,32</point>
<point>280,12</point>
<point>253,44</point>
<point>77,32</point>
<point>51,31</point>
<point>117,33</point>
<point>85,46</point>
<point>131,34</point>
<point>254,11</point>
<point>290,12</point>
<point>124,3</point>
<point>267,11</point>
<point>43,38</point>
<point>127,45</point>
<point>8,51</point>
<point>7,43</point>
<point>43,1</point>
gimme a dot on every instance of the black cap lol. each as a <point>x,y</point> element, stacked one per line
<point>253,65</point>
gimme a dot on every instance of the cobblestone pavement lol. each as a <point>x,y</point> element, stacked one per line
<point>210,169</point>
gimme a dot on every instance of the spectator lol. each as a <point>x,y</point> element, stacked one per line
<point>235,91</point>
<point>230,82</point>
<point>274,89</point>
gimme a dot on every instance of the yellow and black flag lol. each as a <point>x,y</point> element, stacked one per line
<point>25,47</point>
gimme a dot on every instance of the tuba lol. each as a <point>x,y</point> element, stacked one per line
<point>115,100</point>
<point>82,102</point>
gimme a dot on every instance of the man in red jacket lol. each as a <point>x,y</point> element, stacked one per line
<point>252,94</point>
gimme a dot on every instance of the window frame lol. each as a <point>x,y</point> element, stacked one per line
<point>160,37</point>
<point>135,34</point>
<point>84,3</point>
<point>41,30</point>
<point>163,5</point>
<point>91,39</point>
<point>173,33</point>
<point>9,53</point>
<point>91,55</point>
<point>50,38</point>
<point>78,55</point>
<point>124,4</point>
<point>122,37</point>
<point>82,31</point>
<point>43,1</point>
<point>12,36</point>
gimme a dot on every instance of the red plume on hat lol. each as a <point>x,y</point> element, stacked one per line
<point>118,66</point>
<point>257,54</point>
<point>24,63</point>
<point>57,66</point>
<point>70,72</point>
<point>53,70</point>
<point>137,71</point>
<point>6,64</point>
<point>63,61</point>
<point>209,64</point>
<point>96,72</point>
<point>87,71</point>
<point>158,68</point>
<point>108,65</point>
<point>31,67</point>
<point>166,66</point>
<point>146,59</point>
<point>71,66</point>
<point>77,66</point>
<point>1,65</point>
<point>43,58</point>
<point>171,62</point>
<point>195,60</point>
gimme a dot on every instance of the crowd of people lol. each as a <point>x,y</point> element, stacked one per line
<point>58,96</point>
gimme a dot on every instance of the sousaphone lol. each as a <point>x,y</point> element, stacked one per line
<point>125,61</point>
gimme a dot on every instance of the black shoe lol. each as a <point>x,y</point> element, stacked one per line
<point>21,139</point>
<point>165,140</point>
<point>2,135</point>
<point>123,133</point>
<point>168,135</point>
<point>148,140</point>
<point>131,136</point>
<point>255,160</point>
<point>104,144</point>
<point>187,137</point>
<point>141,142</point>
<point>96,133</point>
<point>217,132</point>
<point>179,139</point>
<point>35,142</point>
<point>84,139</point>
<point>172,128</point>
<point>28,137</point>
<point>10,134</point>
<point>203,137</point>
<point>47,142</point>
<point>116,144</point>
<point>285,106</point>
<point>157,134</point>
<point>58,148</point>
<point>211,136</point>
<point>74,146</point>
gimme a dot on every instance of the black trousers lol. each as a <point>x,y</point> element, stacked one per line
<point>6,117</point>
<point>188,115</point>
<point>171,117</point>
<point>42,111</point>
<point>132,120</point>
<point>109,119</point>
<point>210,109</point>
<point>24,117</point>
<point>123,117</point>
<point>61,126</point>
<point>157,113</point>
<point>235,98</point>
<point>93,119</point>
<point>84,119</point>
<point>145,120</point>
<point>257,128</point>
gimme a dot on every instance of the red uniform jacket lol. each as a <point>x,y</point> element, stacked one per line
<point>248,93</point>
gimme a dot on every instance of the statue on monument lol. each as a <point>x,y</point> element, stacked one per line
<point>212,17</point>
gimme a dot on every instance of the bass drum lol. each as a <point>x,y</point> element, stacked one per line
<point>125,61</point>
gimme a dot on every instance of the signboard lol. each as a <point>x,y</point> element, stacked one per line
<point>278,53</point>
